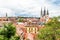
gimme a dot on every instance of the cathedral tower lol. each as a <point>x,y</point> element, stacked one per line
<point>44,12</point>
<point>47,12</point>
<point>6,17</point>
<point>41,12</point>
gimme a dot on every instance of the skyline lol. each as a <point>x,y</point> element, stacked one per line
<point>29,7</point>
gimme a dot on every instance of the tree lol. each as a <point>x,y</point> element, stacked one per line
<point>8,32</point>
<point>15,37</point>
<point>1,37</point>
<point>51,30</point>
<point>20,20</point>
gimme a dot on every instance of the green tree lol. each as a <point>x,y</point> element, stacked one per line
<point>20,20</point>
<point>1,37</point>
<point>51,30</point>
<point>8,31</point>
<point>15,37</point>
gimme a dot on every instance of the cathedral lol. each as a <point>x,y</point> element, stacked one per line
<point>44,16</point>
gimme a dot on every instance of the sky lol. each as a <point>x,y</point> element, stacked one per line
<point>28,8</point>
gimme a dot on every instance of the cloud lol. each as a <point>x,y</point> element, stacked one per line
<point>29,7</point>
<point>9,12</point>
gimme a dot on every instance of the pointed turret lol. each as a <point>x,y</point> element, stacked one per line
<point>47,12</point>
<point>41,12</point>
<point>44,12</point>
<point>6,17</point>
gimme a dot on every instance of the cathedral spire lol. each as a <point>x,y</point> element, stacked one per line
<point>6,15</point>
<point>47,12</point>
<point>41,12</point>
<point>44,12</point>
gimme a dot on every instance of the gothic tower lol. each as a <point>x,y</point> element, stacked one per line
<point>41,12</point>
<point>47,12</point>
<point>44,12</point>
<point>6,17</point>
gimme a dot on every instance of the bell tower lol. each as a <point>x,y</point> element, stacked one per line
<point>6,17</point>
<point>47,12</point>
<point>44,12</point>
<point>41,12</point>
<point>44,15</point>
